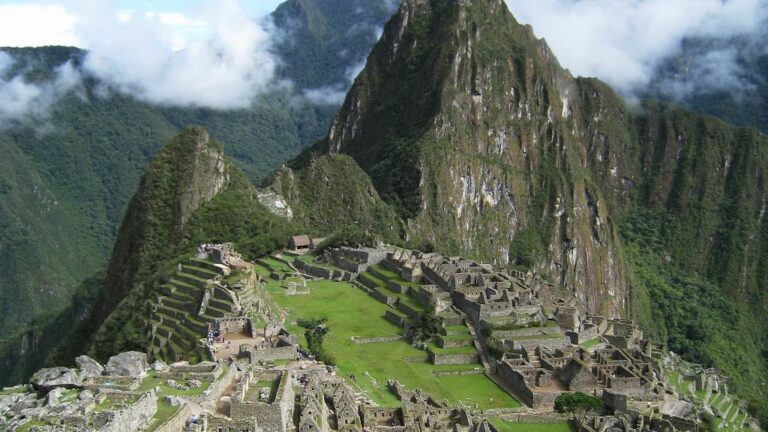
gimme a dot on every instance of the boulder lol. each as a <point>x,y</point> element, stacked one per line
<point>88,367</point>
<point>130,364</point>
<point>54,395</point>
<point>85,395</point>
<point>48,379</point>
<point>160,366</point>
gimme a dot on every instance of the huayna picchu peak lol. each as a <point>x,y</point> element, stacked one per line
<point>483,242</point>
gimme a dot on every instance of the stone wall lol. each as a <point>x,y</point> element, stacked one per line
<point>525,332</point>
<point>272,354</point>
<point>178,421</point>
<point>394,318</point>
<point>551,343</point>
<point>270,417</point>
<point>444,342</point>
<point>516,382</point>
<point>378,295</point>
<point>588,333</point>
<point>452,359</point>
<point>228,425</point>
<point>406,309</point>
<point>397,287</point>
<point>549,417</point>
<point>320,272</point>
<point>362,341</point>
<point>135,417</point>
<point>235,325</point>
<point>216,390</point>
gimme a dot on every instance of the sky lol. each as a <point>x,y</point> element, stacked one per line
<point>53,22</point>
<point>218,53</point>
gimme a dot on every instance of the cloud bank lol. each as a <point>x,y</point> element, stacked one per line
<point>623,42</point>
<point>221,59</point>
<point>213,56</point>
<point>22,100</point>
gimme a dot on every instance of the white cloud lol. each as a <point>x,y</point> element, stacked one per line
<point>222,61</point>
<point>624,41</point>
<point>22,101</point>
<point>31,25</point>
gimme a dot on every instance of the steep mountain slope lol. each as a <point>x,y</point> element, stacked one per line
<point>67,182</point>
<point>468,127</point>
<point>191,193</point>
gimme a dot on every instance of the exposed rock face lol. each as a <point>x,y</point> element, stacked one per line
<point>51,378</point>
<point>132,364</point>
<point>88,367</point>
<point>467,124</point>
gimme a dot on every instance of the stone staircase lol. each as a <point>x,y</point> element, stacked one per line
<point>478,343</point>
<point>184,307</point>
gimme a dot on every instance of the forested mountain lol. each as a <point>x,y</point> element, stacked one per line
<point>66,181</point>
<point>468,128</point>
<point>463,134</point>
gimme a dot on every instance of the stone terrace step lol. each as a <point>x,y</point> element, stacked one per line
<point>200,272</point>
<point>221,304</point>
<point>205,264</point>
<point>192,280</point>
<point>176,303</point>
<point>186,289</point>
<point>169,312</point>
<point>216,312</point>
<point>196,325</point>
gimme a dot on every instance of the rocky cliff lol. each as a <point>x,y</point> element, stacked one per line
<point>485,146</point>
<point>468,126</point>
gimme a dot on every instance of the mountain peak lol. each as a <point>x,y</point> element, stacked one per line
<point>186,173</point>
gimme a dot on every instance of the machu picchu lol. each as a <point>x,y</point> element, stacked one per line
<point>226,353</point>
<point>482,242</point>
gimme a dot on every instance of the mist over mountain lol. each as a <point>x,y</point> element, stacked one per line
<point>79,127</point>
<point>461,130</point>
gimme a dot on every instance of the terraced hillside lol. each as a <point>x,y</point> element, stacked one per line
<point>192,299</point>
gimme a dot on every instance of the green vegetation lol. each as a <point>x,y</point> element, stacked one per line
<point>351,312</point>
<point>65,184</point>
<point>26,427</point>
<point>690,313</point>
<point>578,403</point>
<point>334,196</point>
<point>591,343</point>
<point>315,332</point>
<point>507,426</point>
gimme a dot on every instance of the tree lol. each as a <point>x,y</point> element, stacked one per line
<point>578,403</point>
<point>426,327</point>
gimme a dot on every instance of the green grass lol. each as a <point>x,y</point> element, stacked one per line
<point>454,350</point>
<point>351,312</point>
<point>152,381</point>
<point>591,343</point>
<point>308,259</point>
<point>506,426</point>
<point>164,412</point>
<point>453,337</point>
<point>30,424</point>
<point>389,274</point>
<point>164,409</point>
<point>11,391</point>
<point>277,265</point>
